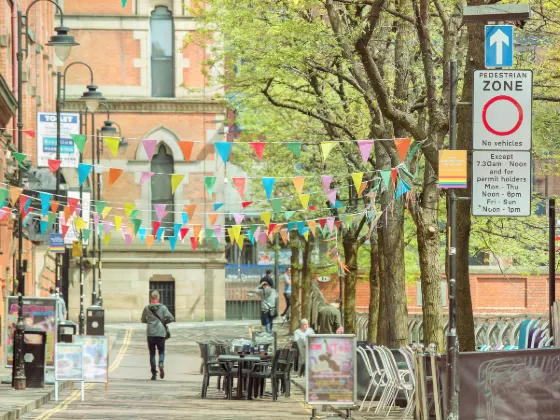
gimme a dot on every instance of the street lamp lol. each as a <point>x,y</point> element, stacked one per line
<point>62,43</point>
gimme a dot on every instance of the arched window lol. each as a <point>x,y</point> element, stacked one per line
<point>162,163</point>
<point>163,68</point>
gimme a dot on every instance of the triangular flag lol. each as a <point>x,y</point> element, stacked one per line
<point>149,241</point>
<point>190,208</point>
<point>288,214</point>
<point>295,148</point>
<point>100,206</point>
<point>268,184</point>
<point>276,204</point>
<point>394,175</point>
<point>357,178</point>
<point>363,186</point>
<point>402,189</point>
<point>253,229</point>
<point>265,216</point>
<point>54,165</point>
<point>196,230</point>
<point>284,235</point>
<point>144,176</point>
<point>155,227</point>
<point>106,211</point>
<point>300,226</point>
<point>306,235</point>
<point>217,231</point>
<point>312,226</point>
<point>246,204</point>
<point>239,185</point>
<point>123,3</point>
<point>149,147</point>
<point>223,148</point>
<point>106,238</point>
<point>129,208</point>
<point>386,176</point>
<point>238,218</point>
<point>322,223</point>
<point>212,217</point>
<point>271,228</point>
<point>159,234</point>
<point>365,148</point>
<point>235,231</point>
<point>80,141</point>
<point>128,239</point>
<point>291,226</point>
<point>304,200</point>
<point>96,219</point>
<point>172,242</point>
<point>45,202</point>
<point>20,158</point>
<point>331,195</point>
<point>184,217</point>
<point>114,174</point>
<point>262,238</point>
<point>326,148</point>
<point>176,180</point>
<point>106,227</point>
<point>30,133</point>
<point>83,172</point>
<point>44,224</point>
<point>217,206</point>
<point>231,235</point>
<point>298,183</point>
<point>183,232</point>
<point>326,181</point>
<point>113,144</point>
<point>402,147</point>
<point>85,235</point>
<point>186,148</point>
<point>3,195</point>
<point>23,200</point>
<point>142,233</point>
<point>118,221</point>
<point>54,206</point>
<point>330,223</point>
<point>136,223</point>
<point>209,233</point>
<point>64,230</point>
<point>194,242</point>
<point>240,241</point>
<point>258,147</point>
<point>72,204</point>
<point>209,182</point>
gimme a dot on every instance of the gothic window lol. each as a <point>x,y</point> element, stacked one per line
<point>163,68</point>
<point>162,163</point>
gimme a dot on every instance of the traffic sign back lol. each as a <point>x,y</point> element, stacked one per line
<point>498,46</point>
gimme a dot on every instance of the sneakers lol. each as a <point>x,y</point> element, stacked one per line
<point>154,376</point>
<point>161,372</point>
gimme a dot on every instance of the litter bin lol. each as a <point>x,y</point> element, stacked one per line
<point>35,343</point>
<point>66,331</point>
<point>95,321</point>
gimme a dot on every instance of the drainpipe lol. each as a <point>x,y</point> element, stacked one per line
<point>15,36</point>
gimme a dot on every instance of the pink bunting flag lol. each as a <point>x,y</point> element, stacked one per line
<point>330,223</point>
<point>365,148</point>
<point>331,195</point>
<point>218,231</point>
<point>257,233</point>
<point>326,180</point>
<point>128,239</point>
<point>262,238</point>
<point>239,218</point>
<point>96,219</point>
<point>150,148</point>
<point>106,228</point>
<point>145,176</point>
<point>160,211</point>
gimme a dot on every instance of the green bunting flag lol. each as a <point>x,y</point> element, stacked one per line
<point>289,214</point>
<point>4,195</point>
<point>209,182</point>
<point>100,205</point>
<point>276,204</point>
<point>386,176</point>
<point>80,141</point>
<point>295,148</point>
<point>85,235</point>
<point>136,223</point>
<point>19,157</point>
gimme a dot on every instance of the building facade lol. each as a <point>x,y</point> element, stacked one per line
<point>155,89</point>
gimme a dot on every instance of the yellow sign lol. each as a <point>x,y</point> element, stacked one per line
<point>452,169</point>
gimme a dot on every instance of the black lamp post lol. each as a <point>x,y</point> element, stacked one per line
<point>92,100</point>
<point>62,43</point>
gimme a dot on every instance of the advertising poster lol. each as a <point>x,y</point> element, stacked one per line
<point>37,313</point>
<point>69,362</point>
<point>72,234</point>
<point>46,139</point>
<point>331,370</point>
<point>452,169</point>
<point>96,357</point>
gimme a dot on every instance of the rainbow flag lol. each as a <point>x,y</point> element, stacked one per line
<point>452,169</point>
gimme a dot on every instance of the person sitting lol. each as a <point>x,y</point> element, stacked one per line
<point>300,338</point>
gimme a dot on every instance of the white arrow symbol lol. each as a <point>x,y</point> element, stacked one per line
<point>499,38</point>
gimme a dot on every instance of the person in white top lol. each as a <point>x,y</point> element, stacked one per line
<point>300,338</point>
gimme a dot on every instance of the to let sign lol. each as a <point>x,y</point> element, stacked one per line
<point>502,109</point>
<point>501,183</point>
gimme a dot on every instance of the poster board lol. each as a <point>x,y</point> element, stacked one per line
<point>96,357</point>
<point>69,360</point>
<point>46,139</point>
<point>331,370</point>
<point>37,313</point>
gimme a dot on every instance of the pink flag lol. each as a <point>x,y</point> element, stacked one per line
<point>218,231</point>
<point>257,233</point>
<point>365,148</point>
<point>262,238</point>
<point>150,148</point>
<point>330,223</point>
<point>238,218</point>
<point>128,239</point>
<point>96,219</point>
<point>331,195</point>
<point>160,211</point>
<point>326,180</point>
<point>145,176</point>
<point>106,228</point>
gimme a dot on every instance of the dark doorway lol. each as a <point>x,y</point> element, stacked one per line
<point>166,291</point>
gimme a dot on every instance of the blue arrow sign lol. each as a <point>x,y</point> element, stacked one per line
<point>498,45</point>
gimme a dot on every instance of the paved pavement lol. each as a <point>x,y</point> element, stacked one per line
<point>132,395</point>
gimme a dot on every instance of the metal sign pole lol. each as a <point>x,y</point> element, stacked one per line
<point>551,261</point>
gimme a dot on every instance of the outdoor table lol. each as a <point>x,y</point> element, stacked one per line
<point>232,358</point>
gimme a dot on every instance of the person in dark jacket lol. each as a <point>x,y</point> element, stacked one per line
<point>268,278</point>
<point>329,320</point>
<point>156,331</point>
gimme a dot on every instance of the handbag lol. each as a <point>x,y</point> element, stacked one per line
<point>167,333</point>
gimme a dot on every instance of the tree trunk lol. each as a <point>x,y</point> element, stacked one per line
<point>382,324</point>
<point>429,256</point>
<point>306,279</point>
<point>295,314</point>
<point>373,288</point>
<point>350,246</point>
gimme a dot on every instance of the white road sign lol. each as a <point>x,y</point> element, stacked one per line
<point>501,183</point>
<point>502,109</point>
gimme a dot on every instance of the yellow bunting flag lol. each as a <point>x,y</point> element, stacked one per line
<point>107,236</point>
<point>176,180</point>
<point>236,230</point>
<point>304,200</point>
<point>79,223</point>
<point>298,183</point>
<point>15,192</point>
<point>306,235</point>
<point>118,221</point>
<point>240,240</point>
<point>149,241</point>
<point>230,234</point>
<point>265,216</point>
<point>106,211</point>
<point>312,226</point>
<point>113,144</point>
<point>129,208</point>
<point>349,220</point>
<point>326,148</point>
<point>357,178</point>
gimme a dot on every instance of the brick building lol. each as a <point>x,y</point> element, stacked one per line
<point>38,95</point>
<point>154,89</point>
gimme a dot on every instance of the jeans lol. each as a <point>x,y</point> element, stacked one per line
<point>154,342</point>
<point>288,297</point>
<point>266,321</point>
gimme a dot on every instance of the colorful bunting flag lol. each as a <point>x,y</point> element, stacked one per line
<point>113,144</point>
<point>268,184</point>
<point>106,238</point>
<point>172,242</point>
<point>326,180</point>
<point>142,233</point>
<point>304,200</point>
<point>331,195</point>
<point>402,189</point>
<point>45,202</point>
<point>298,183</point>
<point>265,216</point>
<point>235,231</point>
<point>386,176</point>
<point>15,192</point>
<point>20,158</point>
<point>129,208</point>
<point>276,204</point>
<point>402,147</point>
<point>212,217</point>
<point>114,175</point>
<point>217,231</point>
<point>239,184</point>
<point>83,172</point>
<point>150,240</point>
<point>330,223</point>
<point>183,233</point>
<point>312,226</point>
<point>284,235</point>
<point>85,235</point>
<point>79,141</point>
<point>118,221</point>
<point>238,218</point>
<point>155,227</point>
<point>44,224</point>
<point>223,148</point>
<point>288,214</point>
<point>149,147</point>
<point>30,133</point>
<point>295,148</point>
<point>144,176</point>
<point>258,147</point>
<point>194,242</point>
<point>54,164</point>
<point>209,183</point>
<point>357,178</point>
<point>246,204</point>
<point>217,206</point>
<point>326,148</point>
<point>365,148</point>
<point>176,180</point>
<point>186,148</point>
<point>3,196</point>
<point>190,208</point>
